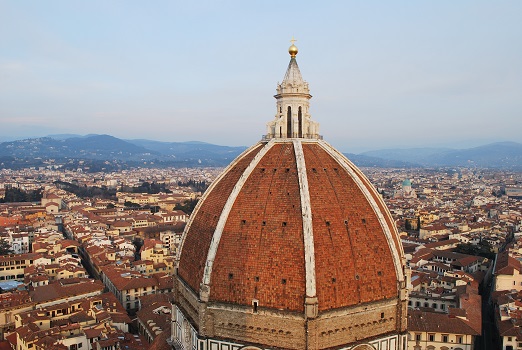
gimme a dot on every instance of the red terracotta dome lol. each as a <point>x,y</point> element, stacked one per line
<point>286,216</point>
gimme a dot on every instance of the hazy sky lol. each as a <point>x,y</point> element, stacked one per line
<point>383,73</point>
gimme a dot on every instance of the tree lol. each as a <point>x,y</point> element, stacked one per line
<point>198,186</point>
<point>138,243</point>
<point>188,206</point>
<point>129,204</point>
<point>483,248</point>
<point>17,195</point>
<point>5,247</point>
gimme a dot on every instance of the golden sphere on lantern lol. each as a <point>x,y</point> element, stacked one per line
<point>292,50</point>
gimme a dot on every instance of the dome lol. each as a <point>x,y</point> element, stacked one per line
<point>291,247</point>
<point>406,182</point>
<point>287,216</point>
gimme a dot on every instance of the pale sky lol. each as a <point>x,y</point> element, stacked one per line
<point>383,74</point>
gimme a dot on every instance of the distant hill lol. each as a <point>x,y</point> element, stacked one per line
<point>505,155</point>
<point>192,150</point>
<point>91,147</point>
<point>103,148</point>
<point>362,160</point>
<point>414,155</point>
<point>65,136</point>
<point>106,147</point>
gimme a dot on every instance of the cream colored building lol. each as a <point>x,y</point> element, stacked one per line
<point>12,266</point>
<point>128,286</point>
<point>154,250</point>
<point>441,331</point>
<point>507,272</point>
<point>433,230</point>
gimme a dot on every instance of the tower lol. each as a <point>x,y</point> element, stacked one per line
<point>292,117</point>
<point>291,247</point>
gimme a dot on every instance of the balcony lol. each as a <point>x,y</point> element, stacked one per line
<point>305,136</point>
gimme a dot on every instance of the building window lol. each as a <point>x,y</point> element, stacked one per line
<point>300,122</point>
<point>459,339</point>
<point>431,337</point>
<point>289,122</point>
<point>418,336</point>
<point>444,338</point>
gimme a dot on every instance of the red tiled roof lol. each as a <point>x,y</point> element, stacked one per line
<point>6,345</point>
<point>123,279</point>
<point>12,339</point>
<point>425,321</point>
<point>506,265</point>
<point>160,342</point>
<point>65,288</point>
<point>261,254</point>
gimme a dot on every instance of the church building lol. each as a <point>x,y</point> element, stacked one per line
<point>291,247</point>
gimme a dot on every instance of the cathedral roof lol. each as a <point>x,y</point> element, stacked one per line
<point>292,219</point>
<point>291,222</point>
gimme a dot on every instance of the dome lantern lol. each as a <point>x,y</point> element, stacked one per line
<point>292,118</point>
